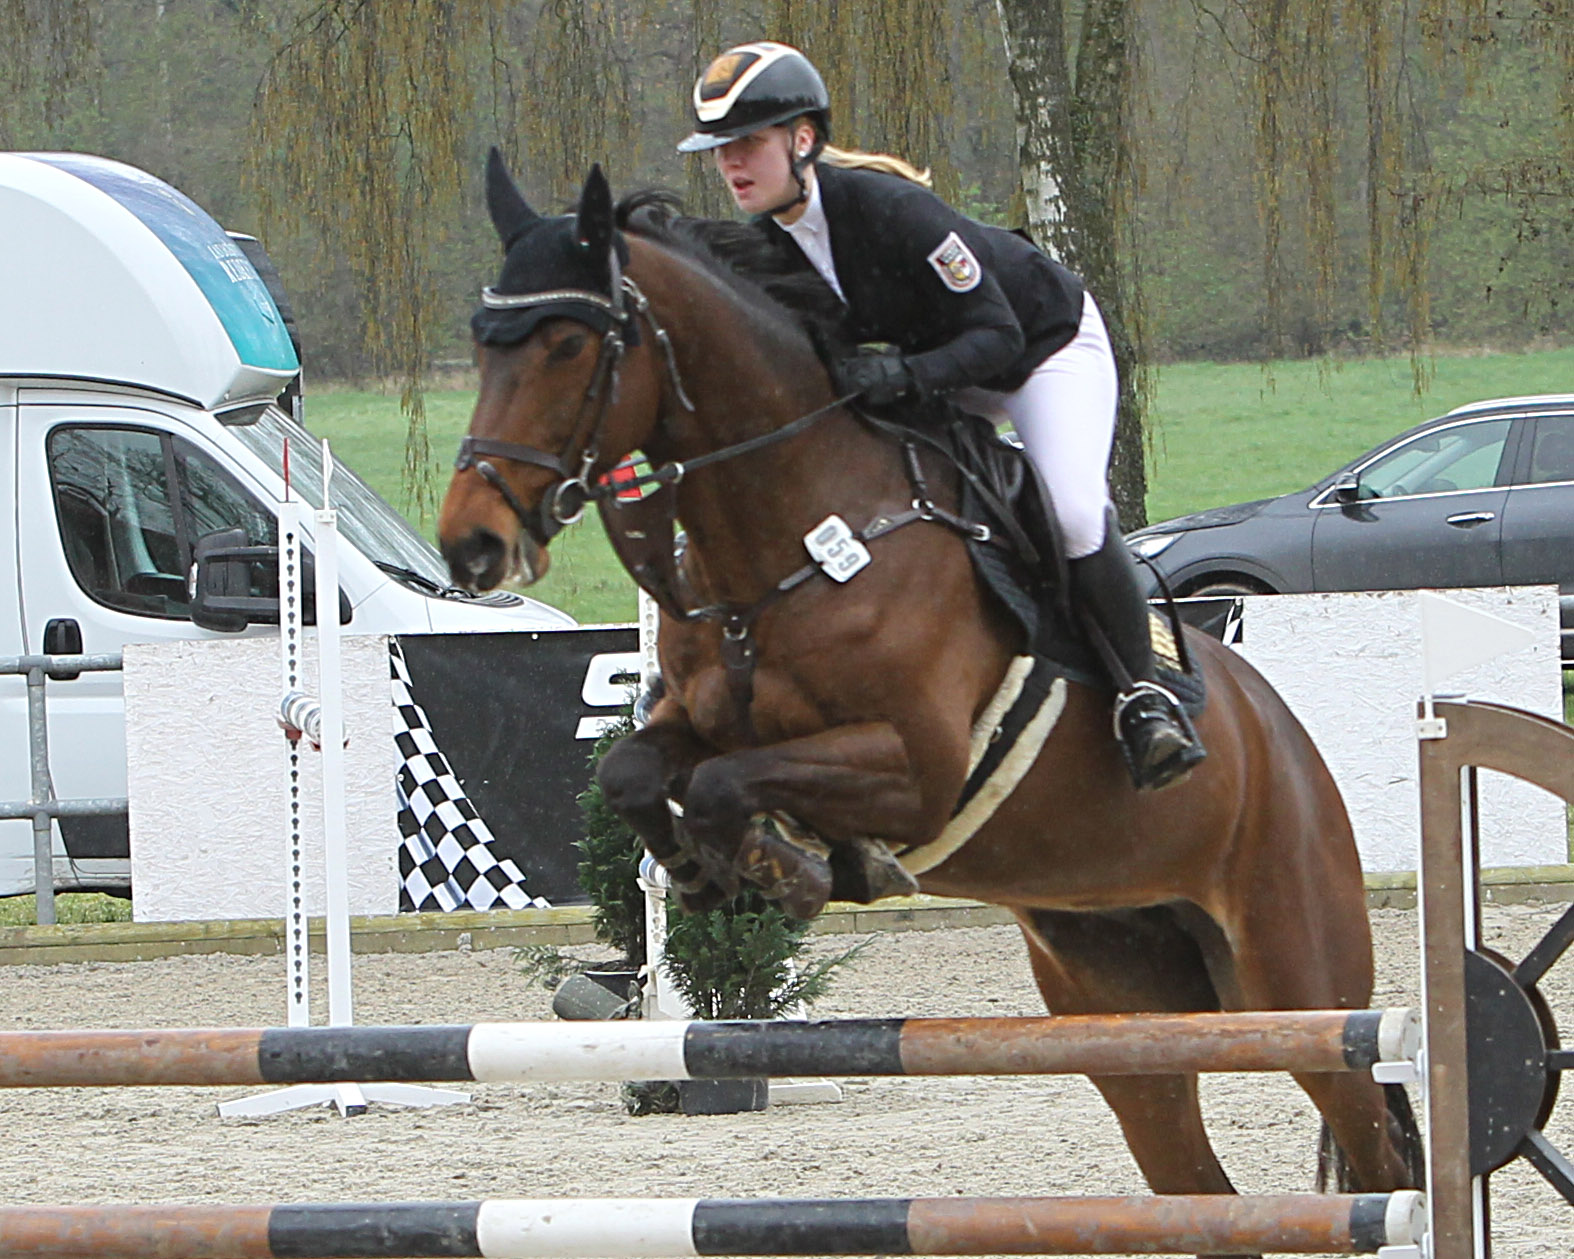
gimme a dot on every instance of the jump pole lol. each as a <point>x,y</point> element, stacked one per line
<point>322,721</point>
<point>645,1228</point>
<point>672,1049</point>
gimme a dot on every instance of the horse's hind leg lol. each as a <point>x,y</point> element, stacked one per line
<point>1299,949</point>
<point>1119,963</point>
<point>1125,962</point>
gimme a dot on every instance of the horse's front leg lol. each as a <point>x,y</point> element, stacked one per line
<point>845,784</point>
<point>639,776</point>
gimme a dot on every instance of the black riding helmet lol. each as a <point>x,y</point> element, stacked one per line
<point>754,86</point>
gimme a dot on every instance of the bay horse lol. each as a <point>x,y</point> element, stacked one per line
<point>847,709</point>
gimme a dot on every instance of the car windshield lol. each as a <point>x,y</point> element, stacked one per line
<point>1465,457</point>
<point>374,528</point>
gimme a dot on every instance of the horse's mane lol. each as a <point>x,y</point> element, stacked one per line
<point>743,257</point>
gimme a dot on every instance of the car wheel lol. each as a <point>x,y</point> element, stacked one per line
<point>1227,588</point>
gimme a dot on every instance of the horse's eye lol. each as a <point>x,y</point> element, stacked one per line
<point>567,348</point>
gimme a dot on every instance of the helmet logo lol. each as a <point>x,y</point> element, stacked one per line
<point>722,73</point>
<point>955,264</point>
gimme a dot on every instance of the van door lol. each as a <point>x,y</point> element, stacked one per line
<point>16,838</point>
<point>111,501</point>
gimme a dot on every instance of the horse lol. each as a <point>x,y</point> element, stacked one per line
<point>850,710</point>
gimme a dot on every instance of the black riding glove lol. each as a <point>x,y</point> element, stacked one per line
<point>879,379</point>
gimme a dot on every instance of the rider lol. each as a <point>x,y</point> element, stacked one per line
<point>969,311</point>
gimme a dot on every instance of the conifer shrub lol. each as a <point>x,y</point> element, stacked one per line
<point>609,865</point>
<point>738,961</point>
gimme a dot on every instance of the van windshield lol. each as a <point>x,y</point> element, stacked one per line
<point>374,528</point>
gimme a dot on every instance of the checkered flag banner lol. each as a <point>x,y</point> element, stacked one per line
<point>445,857</point>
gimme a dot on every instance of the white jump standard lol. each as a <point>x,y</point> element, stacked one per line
<point>321,721</point>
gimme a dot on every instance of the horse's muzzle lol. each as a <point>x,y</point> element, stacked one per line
<point>481,560</point>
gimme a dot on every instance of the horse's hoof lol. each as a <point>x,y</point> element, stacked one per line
<point>866,870</point>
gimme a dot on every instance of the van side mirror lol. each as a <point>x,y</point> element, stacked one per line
<point>1347,489</point>
<point>221,586</point>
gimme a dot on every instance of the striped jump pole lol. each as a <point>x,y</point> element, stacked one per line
<point>649,1228</point>
<point>1126,1044</point>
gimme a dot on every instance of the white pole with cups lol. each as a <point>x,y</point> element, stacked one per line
<point>321,721</point>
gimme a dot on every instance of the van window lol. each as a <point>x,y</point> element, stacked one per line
<point>366,522</point>
<point>130,505</point>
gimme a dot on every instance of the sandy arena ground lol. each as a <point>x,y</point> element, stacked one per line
<point>899,1137</point>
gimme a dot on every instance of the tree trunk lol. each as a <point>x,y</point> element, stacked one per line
<point>1073,149</point>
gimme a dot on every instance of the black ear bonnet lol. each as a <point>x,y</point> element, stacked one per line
<point>545,259</point>
<point>571,254</point>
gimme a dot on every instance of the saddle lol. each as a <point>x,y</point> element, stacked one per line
<point>1023,562</point>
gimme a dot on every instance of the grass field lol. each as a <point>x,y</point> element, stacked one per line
<point>70,907</point>
<point>1222,433</point>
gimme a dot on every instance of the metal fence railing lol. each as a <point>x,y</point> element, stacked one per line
<point>42,806</point>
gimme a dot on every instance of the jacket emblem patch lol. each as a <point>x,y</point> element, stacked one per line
<point>954,263</point>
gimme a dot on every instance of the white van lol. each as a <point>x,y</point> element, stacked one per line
<point>141,356</point>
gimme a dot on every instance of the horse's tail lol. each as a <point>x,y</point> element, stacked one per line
<point>1333,1169</point>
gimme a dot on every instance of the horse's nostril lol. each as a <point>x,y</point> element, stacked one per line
<point>476,560</point>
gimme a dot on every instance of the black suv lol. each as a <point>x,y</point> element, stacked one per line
<point>1482,496</point>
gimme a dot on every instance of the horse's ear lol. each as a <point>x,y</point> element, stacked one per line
<point>593,223</point>
<point>510,213</point>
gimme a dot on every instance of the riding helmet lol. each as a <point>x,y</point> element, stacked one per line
<point>754,86</point>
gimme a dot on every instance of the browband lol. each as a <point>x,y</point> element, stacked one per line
<point>493,300</point>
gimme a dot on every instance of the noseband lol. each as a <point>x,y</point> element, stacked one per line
<point>566,499</point>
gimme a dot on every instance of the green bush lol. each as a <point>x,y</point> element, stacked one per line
<point>739,961</point>
<point>609,870</point>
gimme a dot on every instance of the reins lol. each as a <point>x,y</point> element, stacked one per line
<point>574,488</point>
<point>642,531</point>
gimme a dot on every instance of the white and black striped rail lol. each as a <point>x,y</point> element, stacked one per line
<point>647,1228</point>
<point>1129,1044</point>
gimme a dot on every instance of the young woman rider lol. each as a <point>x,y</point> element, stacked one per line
<point>975,312</point>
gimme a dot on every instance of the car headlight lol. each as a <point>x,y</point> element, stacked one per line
<point>1152,545</point>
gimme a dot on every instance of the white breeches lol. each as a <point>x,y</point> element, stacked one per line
<point>1065,415</point>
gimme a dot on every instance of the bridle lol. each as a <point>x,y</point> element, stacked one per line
<point>565,500</point>
<point>646,548</point>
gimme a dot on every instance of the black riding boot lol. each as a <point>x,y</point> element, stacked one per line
<point>1156,736</point>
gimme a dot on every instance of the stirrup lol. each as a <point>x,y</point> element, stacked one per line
<point>1139,688</point>
<point>1180,761</point>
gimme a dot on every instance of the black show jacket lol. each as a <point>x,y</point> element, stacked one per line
<point>1023,307</point>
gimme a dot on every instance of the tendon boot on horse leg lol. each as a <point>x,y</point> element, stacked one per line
<point>1155,735</point>
<point>789,868</point>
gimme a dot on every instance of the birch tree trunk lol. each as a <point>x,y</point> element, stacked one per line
<point>1074,152</point>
